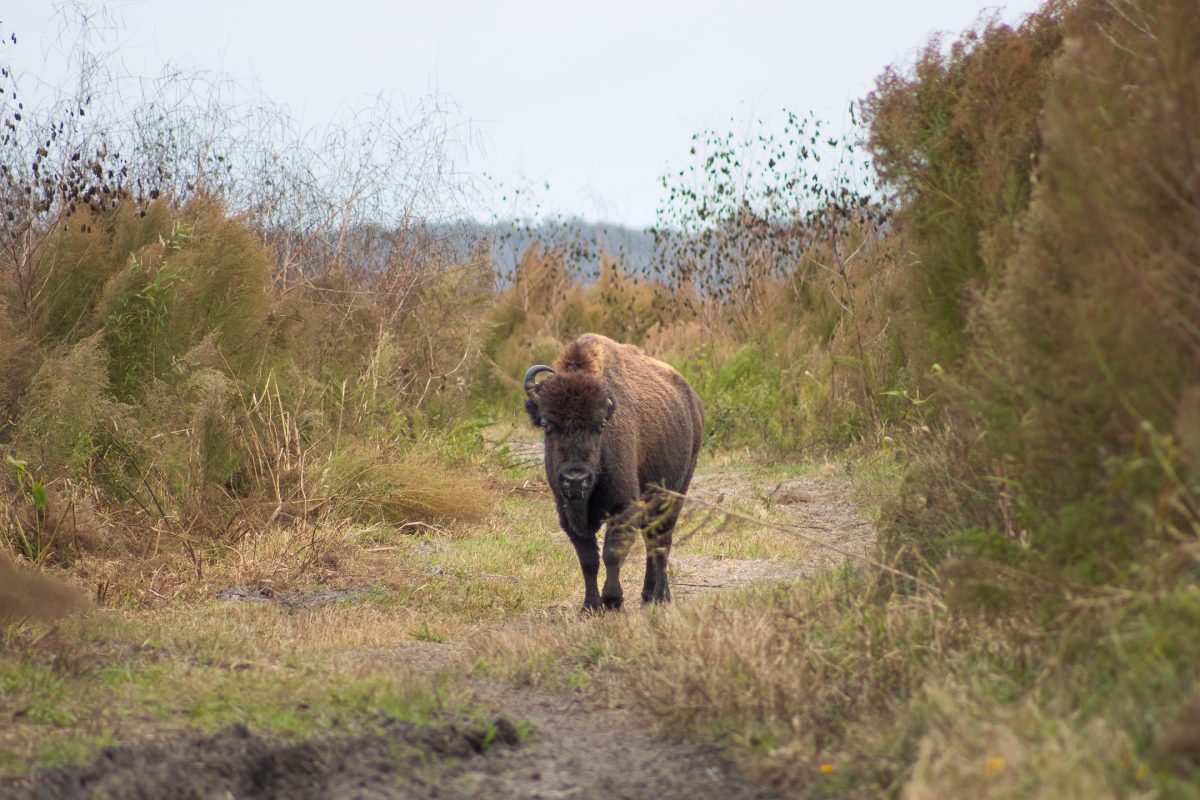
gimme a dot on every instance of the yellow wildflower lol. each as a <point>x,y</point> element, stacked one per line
<point>993,765</point>
<point>827,769</point>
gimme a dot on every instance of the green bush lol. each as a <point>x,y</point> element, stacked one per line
<point>68,412</point>
<point>207,276</point>
<point>958,138</point>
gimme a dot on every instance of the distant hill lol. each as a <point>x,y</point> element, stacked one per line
<point>584,242</point>
<point>370,248</point>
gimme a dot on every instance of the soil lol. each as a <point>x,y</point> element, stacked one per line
<point>828,526</point>
<point>400,760</point>
<point>577,749</point>
<point>580,751</point>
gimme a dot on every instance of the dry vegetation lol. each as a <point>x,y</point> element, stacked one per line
<point>205,387</point>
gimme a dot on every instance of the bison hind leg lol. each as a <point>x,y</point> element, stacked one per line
<point>648,583</point>
<point>655,588</point>
<point>658,534</point>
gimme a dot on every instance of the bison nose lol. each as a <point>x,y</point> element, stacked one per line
<point>575,481</point>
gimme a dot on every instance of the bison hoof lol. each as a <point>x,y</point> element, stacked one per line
<point>591,607</point>
<point>613,603</point>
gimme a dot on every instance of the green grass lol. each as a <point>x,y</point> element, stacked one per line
<point>72,690</point>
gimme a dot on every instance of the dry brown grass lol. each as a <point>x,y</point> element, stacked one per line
<point>410,491</point>
<point>163,652</point>
<point>766,672</point>
<point>974,750</point>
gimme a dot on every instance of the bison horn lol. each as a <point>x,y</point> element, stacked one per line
<point>531,375</point>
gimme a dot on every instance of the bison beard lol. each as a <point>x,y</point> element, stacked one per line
<point>618,424</point>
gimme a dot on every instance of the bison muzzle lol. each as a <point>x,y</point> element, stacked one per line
<point>619,426</point>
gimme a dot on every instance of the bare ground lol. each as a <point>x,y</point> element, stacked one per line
<point>577,749</point>
<point>581,751</point>
<point>829,530</point>
<point>399,760</point>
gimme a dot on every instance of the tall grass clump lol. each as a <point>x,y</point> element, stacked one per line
<point>207,277</point>
<point>67,411</point>
<point>190,388</point>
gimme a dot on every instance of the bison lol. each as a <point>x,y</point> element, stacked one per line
<point>617,423</point>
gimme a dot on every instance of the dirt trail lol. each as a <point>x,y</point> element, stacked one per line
<point>819,509</point>
<point>581,750</point>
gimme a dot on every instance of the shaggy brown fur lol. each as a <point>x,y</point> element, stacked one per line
<point>573,400</point>
<point>618,423</point>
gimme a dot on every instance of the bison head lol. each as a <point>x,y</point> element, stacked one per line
<point>572,409</point>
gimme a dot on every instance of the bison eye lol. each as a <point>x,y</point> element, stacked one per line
<point>549,427</point>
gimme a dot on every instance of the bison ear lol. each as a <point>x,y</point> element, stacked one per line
<point>531,408</point>
<point>610,408</point>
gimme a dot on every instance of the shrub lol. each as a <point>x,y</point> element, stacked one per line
<point>207,277</point>
<point>1079,350</point>
<point>67,411</point>
<point>957,139</point>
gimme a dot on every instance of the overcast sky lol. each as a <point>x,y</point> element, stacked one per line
<point>597,100</point>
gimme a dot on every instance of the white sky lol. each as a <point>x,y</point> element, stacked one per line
<point>596,99</point>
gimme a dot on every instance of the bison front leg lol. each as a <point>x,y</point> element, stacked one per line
<point>617,539</point>
<point>589,562</point>
<point>614,555</point>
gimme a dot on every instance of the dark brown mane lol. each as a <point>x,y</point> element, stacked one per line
<point>573,399</point>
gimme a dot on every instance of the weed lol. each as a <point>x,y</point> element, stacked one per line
<point>30,544</point>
